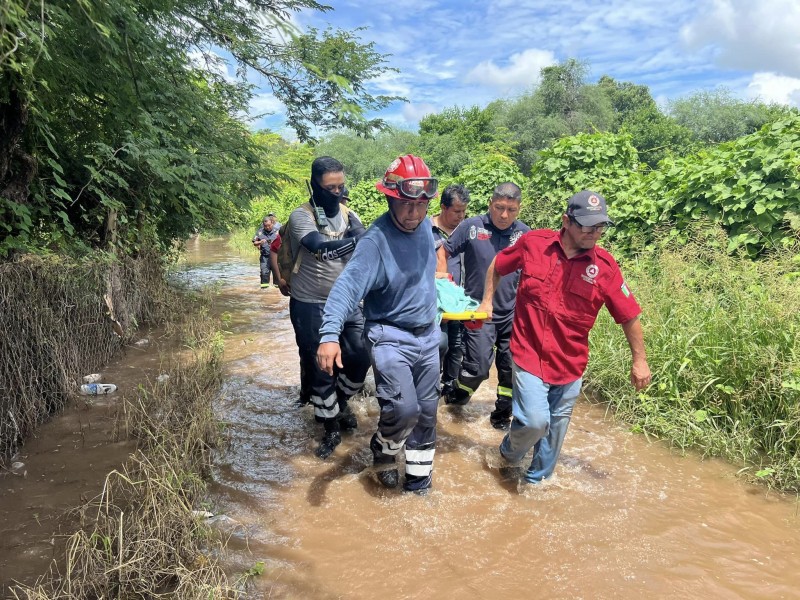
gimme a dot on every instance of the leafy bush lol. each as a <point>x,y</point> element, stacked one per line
<point>750,186</point>
<point>367,201</point>
<point>281,203</point>
<point>603,162</point>
<point>484,174</point>
<point>366,158</point>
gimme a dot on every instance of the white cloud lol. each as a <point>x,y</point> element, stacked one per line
<point>747,35</point>
<point>265,103</point>
<point>391,84</point>
<point>769,87</point>
<point>412,113</point>
<point>212,63</point>
<point>428,64</point>
<point>522,70</point>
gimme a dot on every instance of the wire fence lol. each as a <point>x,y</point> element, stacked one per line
<point>63,318</point>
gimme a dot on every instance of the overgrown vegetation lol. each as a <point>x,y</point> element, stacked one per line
<point>121,124</point>
<point>140,538</point>
<point>722,334</point>
<point>61,318</point>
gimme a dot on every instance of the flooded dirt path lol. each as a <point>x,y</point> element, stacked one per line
<point>623,516</point>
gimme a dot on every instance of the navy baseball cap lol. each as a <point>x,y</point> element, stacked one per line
<point>588,208</point>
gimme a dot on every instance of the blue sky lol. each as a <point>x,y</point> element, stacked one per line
<point>472,52</point>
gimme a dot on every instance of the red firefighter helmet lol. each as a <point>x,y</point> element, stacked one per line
<point>408,177</point>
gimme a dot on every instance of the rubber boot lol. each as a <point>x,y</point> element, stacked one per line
<point>388,476</point>
<point>330,439</point>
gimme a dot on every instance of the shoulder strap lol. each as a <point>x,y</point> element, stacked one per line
<point>307,205</point>
<point>285,238</point>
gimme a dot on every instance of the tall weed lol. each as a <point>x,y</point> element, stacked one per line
<point>722,338</point>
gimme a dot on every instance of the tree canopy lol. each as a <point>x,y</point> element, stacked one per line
<point>122,121</point>
<point>716,116</point>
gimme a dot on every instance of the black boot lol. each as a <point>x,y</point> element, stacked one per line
<point>389,478</point>
<point>330,440</point>
<point>347,420</point>
<point>448,388</point>
<point>383,464</point>
<point>458,397</point>
<point>500,417</point>
<point>502,423</point>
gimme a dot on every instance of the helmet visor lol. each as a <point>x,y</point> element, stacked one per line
<point>415,187</point>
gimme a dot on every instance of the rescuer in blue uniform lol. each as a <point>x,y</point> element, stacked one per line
<point>479,239</point>
<point>393,270</point>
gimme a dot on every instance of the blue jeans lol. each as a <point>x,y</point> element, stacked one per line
<point>541,417</point>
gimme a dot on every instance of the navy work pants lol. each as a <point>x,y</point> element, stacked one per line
<point>329,394</point>
<point>481,346</point>
<point>266,270</point>
<point>406,367</point>
<point>451,352</point>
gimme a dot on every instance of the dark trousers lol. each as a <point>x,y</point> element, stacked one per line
<point>329,394</point>
<point>406,368</point>
<point>266,270</point>
<point>451,352</point>
<point>481,346</point>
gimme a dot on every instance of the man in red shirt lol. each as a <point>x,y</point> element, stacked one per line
<point>565,280</point>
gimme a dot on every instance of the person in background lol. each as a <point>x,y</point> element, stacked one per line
<point>393,270</point>
<point>566,279</point>
<point>262,240</point>
<point>479,239</point>
<point>321,238</point>
<point>452,210</point>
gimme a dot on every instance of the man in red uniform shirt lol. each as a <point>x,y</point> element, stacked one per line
<point>565,280</point>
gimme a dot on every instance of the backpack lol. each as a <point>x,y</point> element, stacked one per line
<point>288,266</point>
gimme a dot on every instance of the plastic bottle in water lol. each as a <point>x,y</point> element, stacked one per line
<point>98,389</point>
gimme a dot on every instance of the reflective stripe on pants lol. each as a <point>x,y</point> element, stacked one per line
<point>406,368</point>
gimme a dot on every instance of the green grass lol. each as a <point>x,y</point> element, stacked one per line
<point>241,241</point>
<point>722,341</point>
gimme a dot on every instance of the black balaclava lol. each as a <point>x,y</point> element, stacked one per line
<point>328,201</point>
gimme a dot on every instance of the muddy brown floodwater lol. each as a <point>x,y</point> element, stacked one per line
<point>623,517</point>
<point>65,464</point>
